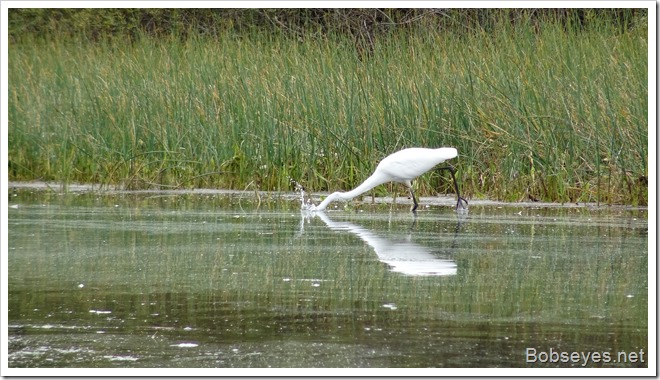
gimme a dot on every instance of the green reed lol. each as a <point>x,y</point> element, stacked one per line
<point>548,113</point>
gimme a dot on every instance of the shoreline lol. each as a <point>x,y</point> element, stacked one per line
<point>440,200</point>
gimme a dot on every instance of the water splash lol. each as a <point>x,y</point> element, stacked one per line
<point>306,203</point>
<point>462,212</point>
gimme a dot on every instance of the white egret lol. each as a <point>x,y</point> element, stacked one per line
<point>402,166</point>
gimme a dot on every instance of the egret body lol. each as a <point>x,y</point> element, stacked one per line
<point>402,166</point>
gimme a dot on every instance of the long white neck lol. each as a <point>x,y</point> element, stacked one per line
<point>371,182</point>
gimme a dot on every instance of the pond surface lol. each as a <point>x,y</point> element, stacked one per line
<point>206,280</point>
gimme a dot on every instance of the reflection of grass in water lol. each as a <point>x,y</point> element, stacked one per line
<point>249,275</point>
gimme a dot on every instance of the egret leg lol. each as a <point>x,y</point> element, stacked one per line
<point>408,184</point>
<point>460,200</point>
<point>412,195</point>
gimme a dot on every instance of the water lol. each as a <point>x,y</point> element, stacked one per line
<point>210,280</point>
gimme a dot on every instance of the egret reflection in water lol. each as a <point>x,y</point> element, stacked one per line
<point>110,280</point>
<point>402,256</point>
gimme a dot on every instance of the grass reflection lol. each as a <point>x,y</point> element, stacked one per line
<point>228,277</point>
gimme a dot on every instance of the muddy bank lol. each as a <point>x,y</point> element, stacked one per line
<point>441,200</point>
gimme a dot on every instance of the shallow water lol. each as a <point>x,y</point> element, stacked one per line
<point>205,280</point>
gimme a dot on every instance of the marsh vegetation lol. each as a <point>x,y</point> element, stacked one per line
<point>539,106</point>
